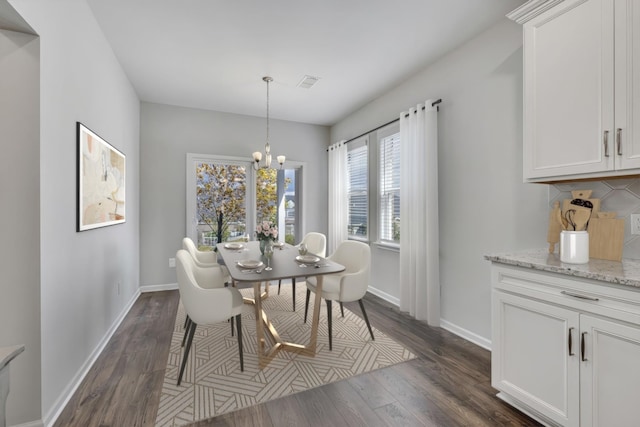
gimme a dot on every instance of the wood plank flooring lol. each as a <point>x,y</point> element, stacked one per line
<point>448,384</point>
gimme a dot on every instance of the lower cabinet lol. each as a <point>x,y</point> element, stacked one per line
<point>565,353</point>
<point>609,373</point>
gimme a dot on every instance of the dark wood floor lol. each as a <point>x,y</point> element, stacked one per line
<point>448,384</point>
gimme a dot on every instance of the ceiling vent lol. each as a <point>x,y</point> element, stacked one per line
<point>308,81</point>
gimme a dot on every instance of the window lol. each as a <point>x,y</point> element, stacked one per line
<point>377,172</point>
<point>230,186</point>
<point>275,200</point>
<point>220,203</point>
<point>389,189</point>
<point>358,194</point>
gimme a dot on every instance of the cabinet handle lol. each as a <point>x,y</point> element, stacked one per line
<point>606,143</point>
<point>571,353</point>
<point>582,345</point>
<point>571,294</point>
<point>619,141</point>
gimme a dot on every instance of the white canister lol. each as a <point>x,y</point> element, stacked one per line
<point>574,247</point>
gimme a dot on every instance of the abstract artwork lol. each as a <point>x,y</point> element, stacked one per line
<point>101,181</point>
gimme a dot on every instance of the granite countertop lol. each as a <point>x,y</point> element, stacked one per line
<point>626,272</point>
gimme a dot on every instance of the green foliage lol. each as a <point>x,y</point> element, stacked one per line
<point>396,229</point>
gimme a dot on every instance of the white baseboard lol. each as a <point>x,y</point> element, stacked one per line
<point>158,288</point>
<point>466,334</point>
<point>30,424</point>
<point>385,296</point>
<point>73,385</point>
<point>444,324</point>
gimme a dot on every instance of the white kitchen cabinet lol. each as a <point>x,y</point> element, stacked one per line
<point>581,94</point>
<point>531,359</point>
<point>609,374</point>
<point>566,351</point>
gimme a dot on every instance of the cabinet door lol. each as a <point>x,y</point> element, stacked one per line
<point>627,84</point>
<point>610,375</point>
<point>531,360</point>
<point>568,90</point>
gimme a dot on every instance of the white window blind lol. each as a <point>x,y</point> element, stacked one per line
<point>357,170</point>
<point>389,187</point>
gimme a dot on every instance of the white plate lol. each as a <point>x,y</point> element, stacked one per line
<point>234,246</point>
<point>307,259</point>
<point>250,263</point>
<point>278,244</point>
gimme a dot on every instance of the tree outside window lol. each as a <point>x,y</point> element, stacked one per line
<point>221,193</point>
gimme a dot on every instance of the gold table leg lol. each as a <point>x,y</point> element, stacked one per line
<point>263,295</point>
<point>262,320</point>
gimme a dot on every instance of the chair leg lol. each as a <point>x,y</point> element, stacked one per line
<point>306,305</point>
<point>329,324</point>
<point>279,283</point>
<point>293,287</point>
<point>187,325</point>
<point>186,322</point>
<point>192,331</point>
<point>239,322</point>
<point>366,319</point>
<point>341,309</point>
<point>231,326</point>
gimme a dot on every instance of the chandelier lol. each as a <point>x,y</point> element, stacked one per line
<point>257,156</point>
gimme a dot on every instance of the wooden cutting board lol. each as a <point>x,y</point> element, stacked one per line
<point>606,238</point>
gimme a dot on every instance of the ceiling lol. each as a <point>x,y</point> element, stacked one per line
<point>212,54</point>
<point>11,20</point>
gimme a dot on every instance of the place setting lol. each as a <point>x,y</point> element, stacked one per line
<point>306,259</point>
<point>250,266</point>
<point>235,246</point>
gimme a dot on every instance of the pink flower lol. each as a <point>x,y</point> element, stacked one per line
<point>266,231</point>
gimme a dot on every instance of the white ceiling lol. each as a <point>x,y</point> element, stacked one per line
<point>212,54</point>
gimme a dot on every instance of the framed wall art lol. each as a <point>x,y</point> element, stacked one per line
<point>101,181</point>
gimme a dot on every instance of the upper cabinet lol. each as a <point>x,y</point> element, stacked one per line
<point>581,94</point>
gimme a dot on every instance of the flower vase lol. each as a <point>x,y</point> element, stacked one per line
<point>263,243</point>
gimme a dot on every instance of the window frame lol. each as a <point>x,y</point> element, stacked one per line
<point>373,188</point>
<point>381,135</point>
<point>193,159</point>
<point>362,142</point>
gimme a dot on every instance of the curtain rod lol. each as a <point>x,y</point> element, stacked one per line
<point>433,104</point>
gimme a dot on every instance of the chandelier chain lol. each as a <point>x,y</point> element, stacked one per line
<point>257,156</point>
<point>268,147</point>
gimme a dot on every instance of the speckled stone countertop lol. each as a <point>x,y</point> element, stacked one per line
<point>626,272</point>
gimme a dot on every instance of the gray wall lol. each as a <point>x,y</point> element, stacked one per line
<point>20,219</point>
<point>484,206</point>
<point>168,133</point>
<point>80,80</point>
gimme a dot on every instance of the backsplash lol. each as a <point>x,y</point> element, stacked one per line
<point>619,195</point>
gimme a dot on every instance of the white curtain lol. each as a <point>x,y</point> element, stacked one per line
<point>338,209</point>
<point>419,247</point>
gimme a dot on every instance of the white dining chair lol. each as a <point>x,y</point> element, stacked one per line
<point>317,245</point>
<point>206,306</point>
<point>204,258</point>
<point>346,286</point>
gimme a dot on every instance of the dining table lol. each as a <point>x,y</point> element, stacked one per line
<point>247,265</point>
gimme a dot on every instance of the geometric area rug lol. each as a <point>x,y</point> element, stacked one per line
<point>213,384</point>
